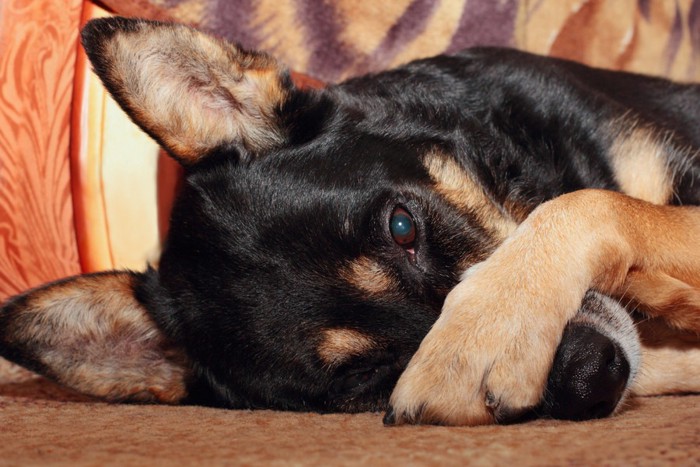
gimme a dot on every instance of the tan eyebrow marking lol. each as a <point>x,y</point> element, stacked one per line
<point>463,191</point>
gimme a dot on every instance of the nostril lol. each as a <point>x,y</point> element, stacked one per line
<point>611,356</point>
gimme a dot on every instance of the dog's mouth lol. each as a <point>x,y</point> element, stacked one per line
<point>589,379</point>
<point>364,388</point>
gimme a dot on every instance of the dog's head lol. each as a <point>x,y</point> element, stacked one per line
<point>310,249</point>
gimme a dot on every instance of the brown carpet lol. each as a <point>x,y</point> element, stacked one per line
<point>42,424</point>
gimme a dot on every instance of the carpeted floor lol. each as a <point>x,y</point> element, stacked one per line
<point>42,424</point>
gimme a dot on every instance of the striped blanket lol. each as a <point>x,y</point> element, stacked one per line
<point>336,39</point>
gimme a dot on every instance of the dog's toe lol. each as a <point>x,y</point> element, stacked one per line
<point>438,388</point>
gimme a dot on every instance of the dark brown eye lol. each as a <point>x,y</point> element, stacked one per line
<point>402,228</point>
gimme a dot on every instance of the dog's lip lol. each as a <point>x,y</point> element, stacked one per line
<point>370,379</point>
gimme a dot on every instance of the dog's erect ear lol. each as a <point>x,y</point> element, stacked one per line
<point>191,92</point>
<point>91,334</point>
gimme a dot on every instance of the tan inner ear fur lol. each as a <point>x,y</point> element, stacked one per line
<point>195,92</point>
<point>93,336</point>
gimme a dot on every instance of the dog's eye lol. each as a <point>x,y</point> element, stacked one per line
<point>402,228</point>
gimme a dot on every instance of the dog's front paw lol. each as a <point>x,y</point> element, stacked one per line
<point>445,386</point>
<point>488,356</point>
<point>485,360</point>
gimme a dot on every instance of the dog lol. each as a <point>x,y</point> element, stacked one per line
<point>465,239</point>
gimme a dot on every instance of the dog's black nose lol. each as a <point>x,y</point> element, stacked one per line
<point>589,375</point>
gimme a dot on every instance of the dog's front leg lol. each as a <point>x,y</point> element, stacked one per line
<point>488,355</point>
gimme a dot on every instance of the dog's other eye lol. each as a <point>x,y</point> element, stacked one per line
<point>403,228</point>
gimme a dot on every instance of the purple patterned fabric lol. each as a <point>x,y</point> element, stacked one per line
<point>336,39</point>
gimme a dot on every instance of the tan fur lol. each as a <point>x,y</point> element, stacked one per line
<point>660,294</point>
<point>195,92</point>
<point>640,165</point>
<point>368,276</point>
<point>337,345</point>
<point>459,188</point>
<point>122,354</point>
<point>489,353</point>
<point>670,360</point>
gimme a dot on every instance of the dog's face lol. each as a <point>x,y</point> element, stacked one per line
<point>301,262</point>
<point>310,249</point>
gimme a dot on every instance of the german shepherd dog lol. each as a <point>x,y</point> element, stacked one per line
<point>465,239</point>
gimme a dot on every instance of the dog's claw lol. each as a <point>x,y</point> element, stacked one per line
<point>407,417</point>
<point>491,401</point>
<point>389,417</point>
